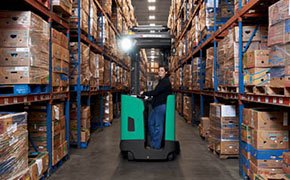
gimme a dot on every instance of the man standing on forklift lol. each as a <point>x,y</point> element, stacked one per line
<point>157,116</point>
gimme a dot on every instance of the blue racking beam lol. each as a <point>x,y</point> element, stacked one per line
<point>78,79</point>
<point>49,135</point>
<point>215,54</point>
<point>241,84</point>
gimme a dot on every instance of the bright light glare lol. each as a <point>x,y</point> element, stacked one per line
<point>152,24</point>
<point>151,8</point>
<point>151,17</point>
<point>126,44</point>
<point>151,1</point>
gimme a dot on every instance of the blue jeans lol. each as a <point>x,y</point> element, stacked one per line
<point>156,125</point>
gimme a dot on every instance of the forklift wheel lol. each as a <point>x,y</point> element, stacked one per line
<point>130,156</point>
<point>171,156</point>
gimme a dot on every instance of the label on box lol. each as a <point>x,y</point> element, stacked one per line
<point>22,50</point>
<point>39,166</point>
<point>56,111</point>
<point>21,68</point>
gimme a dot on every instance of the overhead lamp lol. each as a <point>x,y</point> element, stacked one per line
<point>152,24</point>
<point>151,8</point>
<point>151,1</point>
<point>151,17</point>
<point>126,44</point>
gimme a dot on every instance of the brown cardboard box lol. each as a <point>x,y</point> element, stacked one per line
<point>269,120</point>
<point>246,134</point>
<point>229,147</point>
<point>23,20</point>
<point>286,157</point>
<point>31,56</point>
<point>270,139</point>
<point>276,34</point>
<point>286,168</point>
<point>33,170</point>
<point>267,163</point>
<point>247,33</point>
<point>266,171</point>
<point>65,67</point>
<point>63,5</point>
<point>21,38</point>
<point>257,76</point>
<point>257,58</point>
<point>23,75</point>
<point>279,12</point>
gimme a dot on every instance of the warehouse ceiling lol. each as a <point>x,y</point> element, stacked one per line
<point>159,16</point>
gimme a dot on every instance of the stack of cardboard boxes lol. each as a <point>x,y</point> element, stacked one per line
<point>38,165</point>
<point>228,54</point>
<point>14,144</point>
<point>286,163</point>
<point>85,124</point>
<point>24,48</point>
<point>179,103</point>
<point>64,7</point>
<point>94,20</point>
<point>108,111</point>
<point>60,61</point>
<point>209,74</point>
<point>204,127</point>
<point>279,43</point>
<point>265,137</point>
<point>94,69</point>
<point>85,73</point>
<point>38,130</point>
<point>84,19</point>
<point>224,129</point>
<point>187,76</point>
<point>187,108</point>
<point>196,69</point>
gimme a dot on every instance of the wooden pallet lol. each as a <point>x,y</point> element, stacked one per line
<point>216,151</point>
<point>61,89</point>
<point>232,89</point>
<point>267,90</point>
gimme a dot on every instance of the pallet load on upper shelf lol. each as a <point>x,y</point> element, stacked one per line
<point>178,79</point>
<point>85,73</point>
<point>84,16</point>
<point>264,139</point>
<point>107,6</point>
<point>60,61</point>
<point>108,112</point>
<point>94,69</point>
<point>14,145</point>
<point>224,130</point>
<point>62,7</point>
<point>197,72</point>
<point>24,48</point>
<point>37,126</point>
<point>228,55</point>
<point>204,127</point>
<point>209,70</point>
<point>94,28</point>
<point>187,76</point>
<point>279,44</point>
<point>85,124</point>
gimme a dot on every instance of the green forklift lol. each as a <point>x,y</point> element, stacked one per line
<point>135,109</point>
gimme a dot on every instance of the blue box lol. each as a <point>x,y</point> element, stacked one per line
<point>267,154</point>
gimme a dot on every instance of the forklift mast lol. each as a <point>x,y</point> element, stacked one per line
<point>147,37</point>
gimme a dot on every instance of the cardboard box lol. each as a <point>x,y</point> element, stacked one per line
<point>286,157</point>
<point>247,33</point>
<point>266,171</point>
<point>286,168</point>
<point>31,56</point>
<point>262,139</point>
<point>257,58</point>
<point>246,134</point>
<point>229,147</point>
<point>24,20</point>
<point>63,5</point>
<point>12,38</point>
<point>269,120</point>
<point>257,76</point>
<point>279,12</point>
<point>267,163</point>
<point>23,75</point>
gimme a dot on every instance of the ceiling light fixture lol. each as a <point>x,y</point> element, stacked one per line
<point>151,1</point>
<point>151,17</point>
<point>152,24</point>
<point>151,8</point>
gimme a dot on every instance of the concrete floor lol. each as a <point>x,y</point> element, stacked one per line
<point>102,160</point>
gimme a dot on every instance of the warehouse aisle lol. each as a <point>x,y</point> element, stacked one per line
<point>102,160</point>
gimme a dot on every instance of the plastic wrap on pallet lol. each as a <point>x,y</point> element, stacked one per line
<point>14,144</point>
